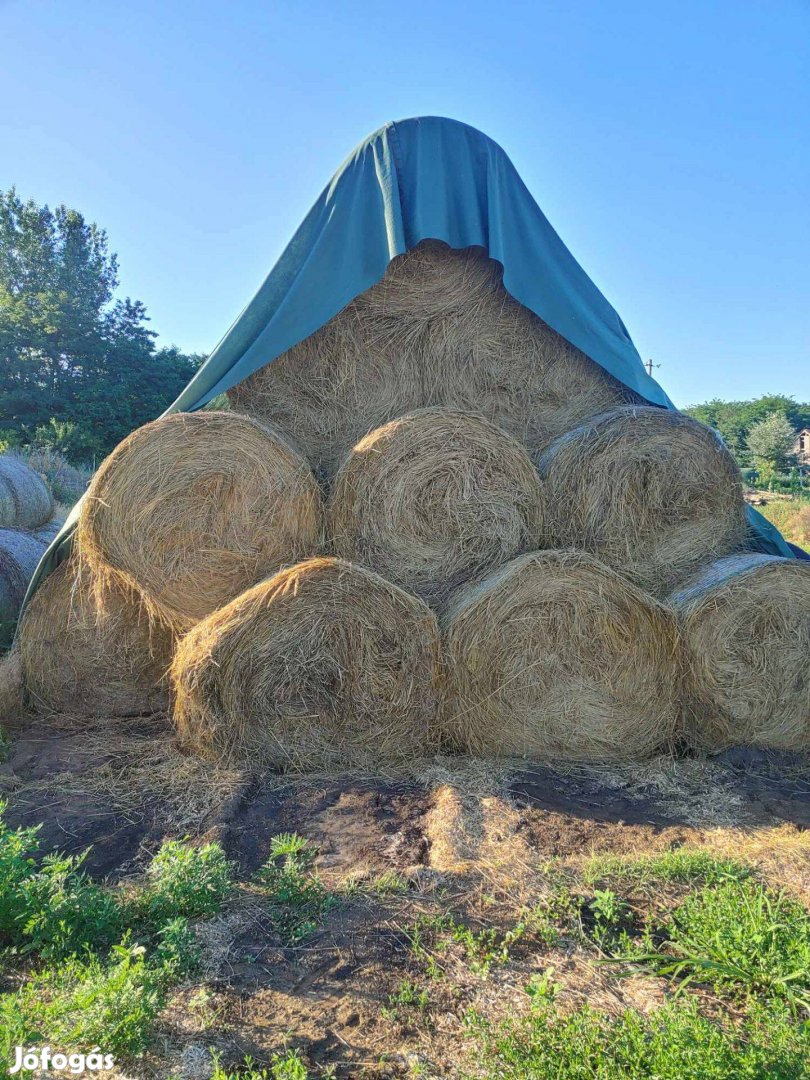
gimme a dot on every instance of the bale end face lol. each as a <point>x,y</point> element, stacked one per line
<point>434,499</point>
<point>192,509</point>
<point>91,649</point>
<point>650,492</point>
<point>323,666</point>
<point>556,656</point>
<point>746,624</point>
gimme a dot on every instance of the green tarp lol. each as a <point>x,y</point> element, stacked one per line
<point>425,178</point>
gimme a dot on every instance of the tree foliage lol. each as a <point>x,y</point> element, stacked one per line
<point>734,419</point>
<point>771,442</point>
<point>78,368</point>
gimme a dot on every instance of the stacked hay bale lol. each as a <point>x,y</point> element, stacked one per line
<point>439,329</point>
<point>25,499</point>
<point>493,569</point>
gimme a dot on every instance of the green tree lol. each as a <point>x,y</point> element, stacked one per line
<point>734,419</point>
<point>770,443</point>
<point>78,367</point>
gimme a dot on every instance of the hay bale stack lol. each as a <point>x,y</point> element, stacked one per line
<point>439,329</point>
<point>434,499</point>
<point>323,665</point>
<point>19,557</point>
<point>25,499</point>
<point>556,656</point>
<point>746,624</point>
<point>90,648</point>
<point>194,508</point>
<point>650,492</point>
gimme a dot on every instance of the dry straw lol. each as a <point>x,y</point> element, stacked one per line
<point>89,648</point>
<point>25,499</point>
<point>439,329</point>
<point>324,665</point>
<point>555,656</point>
<point>194,508</point>
<point>19,557</point>
<point>434,499</point>
<point>649,491</point>
<point>746,623</point>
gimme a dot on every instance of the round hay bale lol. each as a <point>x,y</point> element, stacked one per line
<point>324,665</point>
<point>25,499</point>
<point>556,656</point>
<point>89,648</point>
<point>439,329</point>
<point>433,499</point>
<point>746,624</point>
<point>194,508</point>
<point>11,693</point>
<point>19,557</point>
<point>649,491</point>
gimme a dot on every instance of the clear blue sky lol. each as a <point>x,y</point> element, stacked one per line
<point>668,143</point>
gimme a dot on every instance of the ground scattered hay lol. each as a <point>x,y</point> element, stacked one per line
<point>649,491</point>
<point>439,329</point>
<point>746,623</point>
<point>556,656</point>
<point>25,499</point>
<point>90,648</point>
<point>434,499</point>
<point>19,556</point>
<point>323,665</point>
<point>194,508</point>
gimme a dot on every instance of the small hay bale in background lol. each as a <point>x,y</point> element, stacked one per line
<point>324,665</point>
<point>25,499</point>
<point>433,499</point>
<point>649,491</point>
<point>90,648</point>
<point>194,508</point>
<point>746,623</point>
<point>19,557</point>
<point>439,329</point>
<point>556,656</point>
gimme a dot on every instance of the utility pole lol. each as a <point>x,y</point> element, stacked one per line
<point>649,366</point>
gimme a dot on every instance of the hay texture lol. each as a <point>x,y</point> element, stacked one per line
<point>555,656</point>
<point>434,499</point>
<point>649,491</point>
<point>324,665</point>
<point>439,329</point>
<point>11,691</point>
<point>89,648</point>
<point>746,624</point>
<point>19,557</point>
<point>194,508</point>
<point>25,499</point>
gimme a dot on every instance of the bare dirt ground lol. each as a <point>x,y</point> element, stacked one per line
<point>481,841</point>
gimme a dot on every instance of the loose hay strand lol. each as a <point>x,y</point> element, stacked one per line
<point>651,492</point>
<point>556,656</point>
<point>194,508</point>
<point>324,664</point>
<point>433,499</point>
<point>746,623</point>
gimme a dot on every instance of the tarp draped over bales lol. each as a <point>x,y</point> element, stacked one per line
<point>413,180</point>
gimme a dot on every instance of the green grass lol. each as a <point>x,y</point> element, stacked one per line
<point>673,1042</point>
<point>740,937</point>
<point>184,881</point>
<point>83,989</point>
<point>85,1002</point>
<point>297,898</point>
<point>287,1065</point>
<point>681,865</point>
